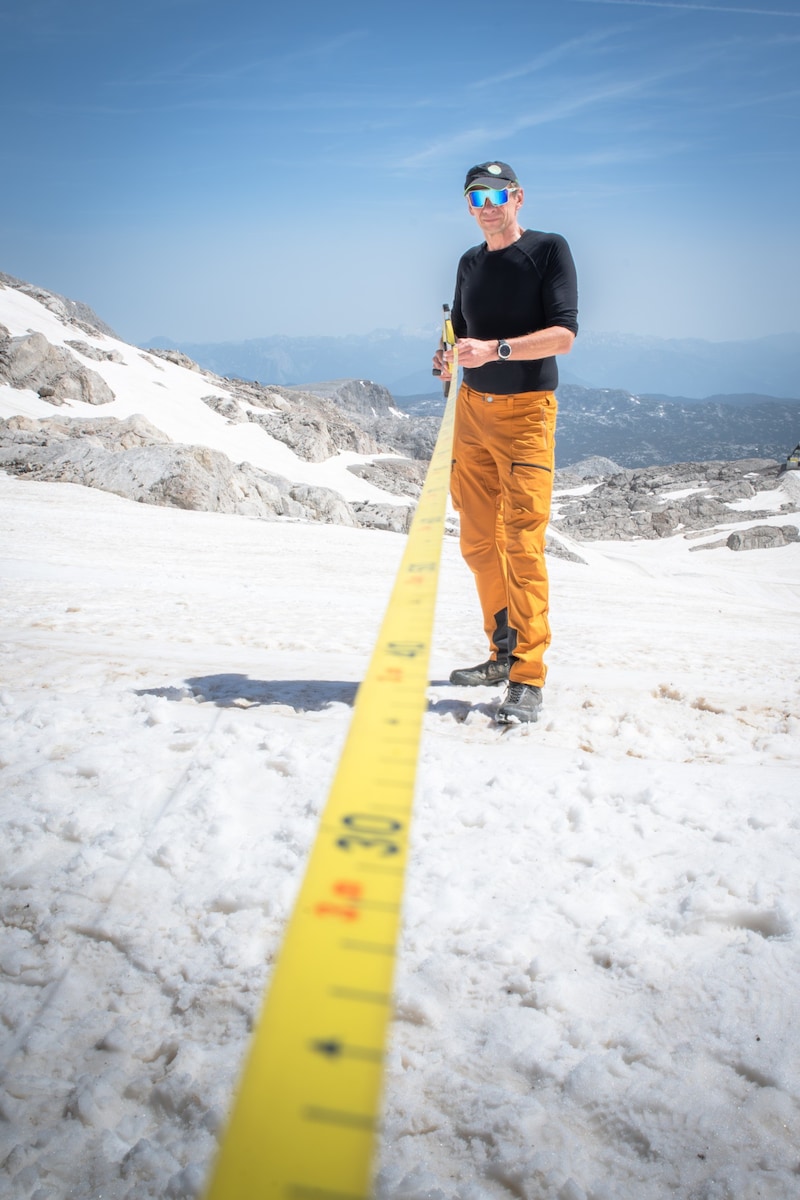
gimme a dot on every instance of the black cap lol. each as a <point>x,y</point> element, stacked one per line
<point>490,175</point>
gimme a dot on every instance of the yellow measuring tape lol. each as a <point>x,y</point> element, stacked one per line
<point>306,1114</point>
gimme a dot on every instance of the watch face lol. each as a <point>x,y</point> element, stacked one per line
<point>504,350</point>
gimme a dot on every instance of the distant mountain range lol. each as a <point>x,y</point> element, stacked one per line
<point>640,431</point>
<point>637,431</point>
<point>686,367</point>
<point>680,400</point>
<point>400,361</point>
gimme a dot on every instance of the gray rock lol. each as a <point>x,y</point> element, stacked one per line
<point>122,459</point>
<point>95,353</point>
<point>226,408</point>
<point>403,477</point>
<point>112,434</point>
<point>360,396</point>
<point>395,518</point>
<point>177,358</point>
<point>762,537</point>
<point>324,504</point>
<point>133,459</point>
<point>350,414</point>
<point>372,407</point>
<point>312,433</point>
<point>595,467</point>
<point>313,427</point>
<point>31,362</point>
<point>560,547</point>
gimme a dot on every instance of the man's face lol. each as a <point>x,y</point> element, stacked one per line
<point>498,218</point>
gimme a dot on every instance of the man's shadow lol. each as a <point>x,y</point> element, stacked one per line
<point>239,691</point>
<point>303,695</point>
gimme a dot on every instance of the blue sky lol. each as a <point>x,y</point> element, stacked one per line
<point>212,171</point>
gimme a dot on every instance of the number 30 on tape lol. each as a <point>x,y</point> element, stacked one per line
<point>305,1117</point>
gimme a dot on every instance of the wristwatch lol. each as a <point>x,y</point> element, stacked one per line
<point>503,349</point>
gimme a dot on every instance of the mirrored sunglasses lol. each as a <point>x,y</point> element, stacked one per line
<point>495,196</point>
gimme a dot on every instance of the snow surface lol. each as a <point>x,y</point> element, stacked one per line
<point>762,500</point>
<point>597,991</point>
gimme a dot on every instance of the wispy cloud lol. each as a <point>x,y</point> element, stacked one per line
<point>573,104</point>
<point>693,7</point>
<point>554,54</point>
<point>330,48</point>
<point>446,147</point>
<point>773,98</point>
<point>557,110</point>
<point>233,69</point>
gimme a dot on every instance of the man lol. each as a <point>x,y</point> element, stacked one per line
<point>515,309</point>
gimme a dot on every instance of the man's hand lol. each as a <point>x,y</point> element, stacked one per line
<point>439,365</point>
<point>473,353</point>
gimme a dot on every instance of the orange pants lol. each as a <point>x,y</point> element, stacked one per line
<point>501,485</point>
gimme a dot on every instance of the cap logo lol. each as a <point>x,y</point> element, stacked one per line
<point>493,169</point>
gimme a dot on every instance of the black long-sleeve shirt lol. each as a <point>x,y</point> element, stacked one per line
<point>527,286</point>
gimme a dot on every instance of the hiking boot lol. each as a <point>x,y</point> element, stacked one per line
<point>522,702</point>
<point>487,674</point>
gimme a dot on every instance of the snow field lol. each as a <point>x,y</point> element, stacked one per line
<point>598,978</point>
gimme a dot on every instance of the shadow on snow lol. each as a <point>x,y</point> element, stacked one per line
<point>239,691</point>
<point>231,690</point>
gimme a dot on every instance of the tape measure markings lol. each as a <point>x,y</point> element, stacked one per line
<point>306,1112</point>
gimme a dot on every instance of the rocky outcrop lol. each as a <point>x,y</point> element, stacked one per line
<point>757,537</point>
<point>762,537</point>
<point>559,546</point>
<point>133,459</point>
<point>372,407</point>
<point>658,502</point>
<point>323,504</point>
<point>31,362</point>
<point>95,353</point>
<point>313,427</point>
<point>392,517</point>
<point>596,467</point>
<point>359,397</point>
<point>316,427</point>
<point>403,477</point>
<point>176,357</point>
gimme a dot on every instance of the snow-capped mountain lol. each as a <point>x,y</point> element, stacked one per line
<point>154,426</point>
